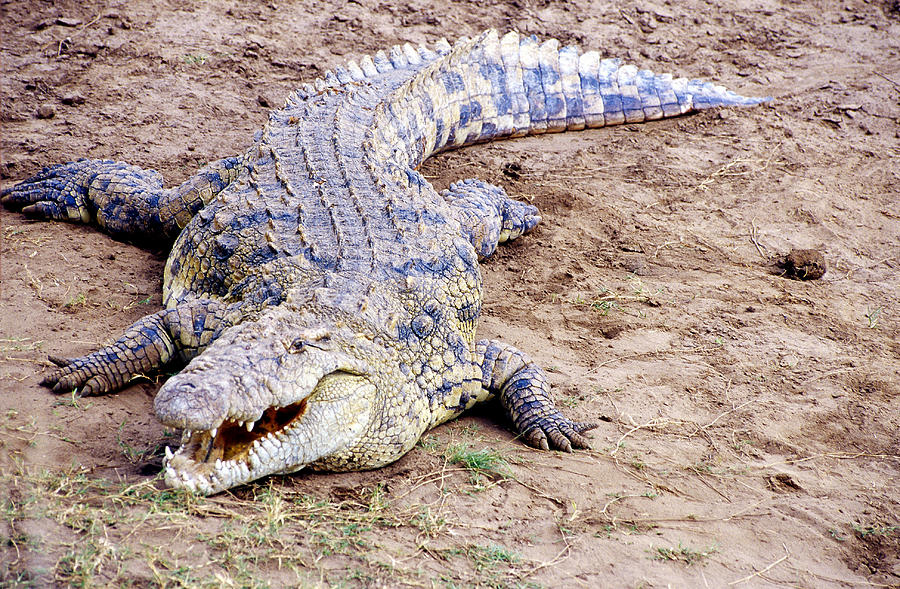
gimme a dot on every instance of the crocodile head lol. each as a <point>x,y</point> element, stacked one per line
<point>269,396</point>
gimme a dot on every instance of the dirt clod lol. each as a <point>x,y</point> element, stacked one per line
<point>46,111</point>
<point>512,170</point>
<point>782,483</point>
<point>803,264</point>
<point>68,22</point>
<point>72,99</point>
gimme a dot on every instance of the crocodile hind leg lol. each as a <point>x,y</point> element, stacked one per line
<point>178,333</point>
<point>524,392</point>
<point>488,215</point>
<point>125,200</point>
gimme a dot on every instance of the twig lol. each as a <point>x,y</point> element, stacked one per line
<point>651,423</point>
<point>754,238</point>
<point>837,455</point>
<point>540,493</point>
<point>757,573</point>
<point>75,34</point>
<point>879,74</point>
<point>555,560</point>
<point>720,415</point>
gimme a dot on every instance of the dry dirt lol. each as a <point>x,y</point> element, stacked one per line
<point>749,422</point>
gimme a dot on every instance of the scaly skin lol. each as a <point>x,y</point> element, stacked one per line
<point>323,294</point>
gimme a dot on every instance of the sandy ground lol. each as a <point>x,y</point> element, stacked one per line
<point>750,421</point>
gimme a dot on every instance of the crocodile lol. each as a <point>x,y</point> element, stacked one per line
<point>321,295</point>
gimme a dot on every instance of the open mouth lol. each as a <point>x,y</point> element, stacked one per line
<point>233,440</point>
<point>209,460</point>
<point>282,439</point>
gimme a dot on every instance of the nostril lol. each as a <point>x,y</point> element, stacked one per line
<point>191,401</point>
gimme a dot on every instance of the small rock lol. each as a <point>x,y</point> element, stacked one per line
<point>8,169</point>
<point>46,111</point>
<point>663,14</point>
<point>782,483</point>
<point>637,267</point>
<point>68,22</point>
<point>803,264</point>
<point>71,99</point>
<point>512,170</point>
<point>263,101</point>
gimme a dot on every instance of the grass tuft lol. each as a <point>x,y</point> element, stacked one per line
<point>684,554</point>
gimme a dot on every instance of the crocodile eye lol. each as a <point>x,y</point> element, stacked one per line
<point>322,342</point>
<point>301,344</point>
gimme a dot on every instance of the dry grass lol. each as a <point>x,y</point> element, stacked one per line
<point>74,529</point>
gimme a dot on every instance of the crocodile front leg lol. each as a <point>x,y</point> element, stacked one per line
<point>524,392</point>
<point>488,215</point>
<point>179,333</point>
<point>124,200</point>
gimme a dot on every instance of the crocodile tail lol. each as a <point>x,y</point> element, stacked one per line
<point>568,90</point>
<point>492,87</point>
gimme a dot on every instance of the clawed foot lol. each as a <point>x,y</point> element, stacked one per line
<point>122,198</point>
<point>80,375</point>
<point>557,432</point>
<point>58,192</point>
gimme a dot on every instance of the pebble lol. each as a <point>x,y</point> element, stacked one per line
<point>804,264</point>
<point>70,99</point>
<point>46,111</point>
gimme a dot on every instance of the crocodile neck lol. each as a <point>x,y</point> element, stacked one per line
<point>327,190</point>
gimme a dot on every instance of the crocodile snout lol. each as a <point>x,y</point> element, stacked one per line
<point>194,401</point>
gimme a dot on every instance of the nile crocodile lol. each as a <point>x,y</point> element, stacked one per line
<point>322,293</point>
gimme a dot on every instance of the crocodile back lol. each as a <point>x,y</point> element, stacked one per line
<point>331,178</point>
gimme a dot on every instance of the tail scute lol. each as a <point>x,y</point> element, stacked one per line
<point>491,87</point>
<point>613,93</point>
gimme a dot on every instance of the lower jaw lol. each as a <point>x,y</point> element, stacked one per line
<point>204,478</point>
<point>268,455</point>
<point>209,462</point>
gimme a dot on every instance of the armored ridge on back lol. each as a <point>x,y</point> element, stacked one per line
<point>322,293</point>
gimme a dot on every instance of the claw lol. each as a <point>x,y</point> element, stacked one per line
<point>558,433</point>
<point>58,360</point>
<point>583,427</point>
<point>536,439</point>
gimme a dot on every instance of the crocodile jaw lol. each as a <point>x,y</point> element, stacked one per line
<point>284,439</point>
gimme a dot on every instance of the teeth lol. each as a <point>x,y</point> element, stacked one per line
<point>240,424</point>
<point>250,425</point>
<point>203,485</point>
<point>218,463</point>
<point>189,483</point>
<point>168,454</point>
<point>213,432</point>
